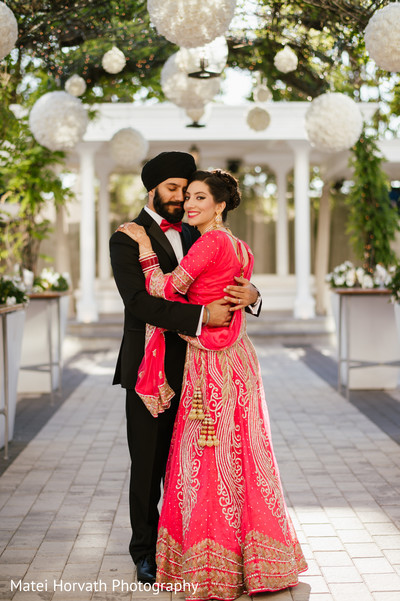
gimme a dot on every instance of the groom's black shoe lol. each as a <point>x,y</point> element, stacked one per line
<point>146,569</point>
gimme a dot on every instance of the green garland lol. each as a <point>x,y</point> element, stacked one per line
<point>373,219</point>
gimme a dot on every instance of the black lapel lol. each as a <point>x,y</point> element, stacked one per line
<point>189,235</point>
<point>154,231</point>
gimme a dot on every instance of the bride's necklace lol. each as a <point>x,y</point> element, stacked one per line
<point>213,226</point>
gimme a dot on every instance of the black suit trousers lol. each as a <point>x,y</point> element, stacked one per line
<point>149,439</point>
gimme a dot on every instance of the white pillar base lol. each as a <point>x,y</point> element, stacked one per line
<point>304,307</point>
<point>86,312</point>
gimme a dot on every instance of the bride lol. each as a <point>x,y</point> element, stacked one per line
<point>224,527</point>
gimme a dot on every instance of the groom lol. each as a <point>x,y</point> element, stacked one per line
<point>165,178</point>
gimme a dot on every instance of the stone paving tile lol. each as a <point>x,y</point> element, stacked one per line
<point>391,596</point>
<point>350,591</point>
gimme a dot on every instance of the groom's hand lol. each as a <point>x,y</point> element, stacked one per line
<point>241,296</point>
<point>220,314</point>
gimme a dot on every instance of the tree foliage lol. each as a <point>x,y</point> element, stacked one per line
<point>66,37</point>
<point>28,179</point>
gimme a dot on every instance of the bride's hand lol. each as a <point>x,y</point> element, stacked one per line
<point>136,232</point>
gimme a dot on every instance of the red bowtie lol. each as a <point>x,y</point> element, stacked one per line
<point>166,225</point>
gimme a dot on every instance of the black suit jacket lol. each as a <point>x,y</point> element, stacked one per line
<point>142,308</point>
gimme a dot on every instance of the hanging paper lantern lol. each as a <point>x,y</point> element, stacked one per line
<point>333,122</point>
<point>258,118</point>
<point>285,60</point>
<point>262,93</point>
<point>215,55</point>
<point>128,147</point>
<point>58,120</point>
<point>75,85</point>
<point>191,23</point>
<point>195,114</point>
<point>185,91</point>
<point>382,36</point>
<point>113,61</point>
<point>8,30</point>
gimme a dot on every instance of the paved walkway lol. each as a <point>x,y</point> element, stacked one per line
<point>64,506</point>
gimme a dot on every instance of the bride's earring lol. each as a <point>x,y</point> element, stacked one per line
<point>218,220</point>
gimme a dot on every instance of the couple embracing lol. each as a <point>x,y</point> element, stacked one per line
<point>196,413</point>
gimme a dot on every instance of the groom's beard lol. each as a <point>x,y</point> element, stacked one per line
<point>171,211</point>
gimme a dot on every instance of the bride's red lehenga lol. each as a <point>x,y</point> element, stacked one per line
<point>224,525</point>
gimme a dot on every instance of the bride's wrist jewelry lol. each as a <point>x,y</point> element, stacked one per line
<point>148,261</point>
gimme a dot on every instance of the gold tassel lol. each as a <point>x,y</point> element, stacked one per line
<point>196,411</point>
<point>207,436</point>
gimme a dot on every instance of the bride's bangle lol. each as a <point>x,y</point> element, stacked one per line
<point>148,261</point>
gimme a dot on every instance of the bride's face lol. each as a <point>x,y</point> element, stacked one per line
<point>200,205</point>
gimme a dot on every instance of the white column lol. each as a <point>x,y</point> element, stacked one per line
<point>63,259</point>
<point>86,305</point>
<point>304,306</point>
<point>281,167</point>
<point>103,174</point>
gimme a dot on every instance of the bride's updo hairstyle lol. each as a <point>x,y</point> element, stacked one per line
<point>223,187</point>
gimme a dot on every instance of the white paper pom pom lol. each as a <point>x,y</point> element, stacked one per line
<point>215,54</point>
<point>258,118</point>
<point>382,37</point>
<point>8,30</point>
<point>191,23</point>
<point>75,85</point>
<point>185,91</point>
<point>58,120</point>
<point>262,93</point>
<point>333,122</point>
<point>114,60</point>
<point>285,60</point>
<point>128,147</point>
<point>195,114</point>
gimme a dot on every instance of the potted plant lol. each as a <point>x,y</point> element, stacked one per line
<point>13,301</point>
<point>45,327</point>
<point>362,310</point>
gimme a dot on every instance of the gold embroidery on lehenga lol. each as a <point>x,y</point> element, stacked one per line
<point>266,565</point>
<point>190,452</point>
<point>228,455</point>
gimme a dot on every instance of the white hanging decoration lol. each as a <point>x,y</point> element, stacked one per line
<point>184,91</point>
<point>215,55</point>
<point>382,36</point>
<point>58,120</point>
<point>285,60</point>
<point>75,85</point>
<point>191,23</point>
<point>333,122</point>
<point>258,118</point>
<point>8,30</point>
<point>128,147</point>
<point>262,93</point>
<point>113,61</point>
<point>195,114</point>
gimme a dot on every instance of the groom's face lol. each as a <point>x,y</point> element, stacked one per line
<point>167,199</point>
